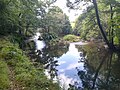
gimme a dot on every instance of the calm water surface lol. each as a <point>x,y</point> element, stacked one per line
<point>80,67</point>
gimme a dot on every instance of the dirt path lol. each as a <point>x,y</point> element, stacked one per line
<point>13,83</point>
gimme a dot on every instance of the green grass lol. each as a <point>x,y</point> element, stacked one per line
<point>4,78</point>
<point>27,76</point>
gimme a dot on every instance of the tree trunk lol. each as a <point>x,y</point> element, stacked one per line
<point>98,69</point>
<point>27,26</point>
<point>110,45</point>
<point>111,11</point>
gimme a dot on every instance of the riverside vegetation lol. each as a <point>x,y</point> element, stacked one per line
<point>21,19</point>
<point>18,72</point>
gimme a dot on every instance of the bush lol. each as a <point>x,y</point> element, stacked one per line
<point>71,38</point>
<point>49,36</point>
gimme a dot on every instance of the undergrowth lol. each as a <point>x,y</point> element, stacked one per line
<point>27,76</point>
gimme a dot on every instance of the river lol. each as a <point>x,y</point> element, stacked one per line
<point>80,66</point>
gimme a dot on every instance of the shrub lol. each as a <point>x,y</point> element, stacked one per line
<point>71,38</point>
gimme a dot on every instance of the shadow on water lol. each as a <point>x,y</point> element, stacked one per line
<point>47,57</point>
<point>76,67</point>
<point>102,70</point>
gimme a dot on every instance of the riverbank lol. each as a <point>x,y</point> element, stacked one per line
<point>18,72</point>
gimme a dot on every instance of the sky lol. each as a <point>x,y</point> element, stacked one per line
<point>73,14</point>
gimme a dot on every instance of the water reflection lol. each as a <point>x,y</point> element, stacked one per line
<point>48,56</point>
<point>67,71</point>
<point>61,63</point>
<point>76,67</point>
<point>101,70</point>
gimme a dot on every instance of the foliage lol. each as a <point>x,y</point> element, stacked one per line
<point>55,21</point>
<point>101,13</point>
<point>71,38</point>
<point>25,73</point>
<point>49,36</point>
<point>4,78</point>
<point>21,19</point>
<point>86,25</point>
<point>117,27</point>
<point>15,16</point>
<point>116,41</point>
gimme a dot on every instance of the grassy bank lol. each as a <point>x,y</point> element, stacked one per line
<point>18,73</point>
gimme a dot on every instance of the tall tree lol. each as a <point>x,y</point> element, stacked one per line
<point>112,29</point>
<point>19,18</point>
<point>55,21</point>
<point>86,25</point>
<point>111,46</point>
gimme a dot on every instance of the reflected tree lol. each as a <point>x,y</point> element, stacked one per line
<point>47,57</point>
<point>101,70</point>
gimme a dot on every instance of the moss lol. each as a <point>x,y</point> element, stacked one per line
<point>27,77</point>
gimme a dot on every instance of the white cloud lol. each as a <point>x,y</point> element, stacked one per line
<point>65,81</point>
<point>73,66</point>
<point>61,62</point>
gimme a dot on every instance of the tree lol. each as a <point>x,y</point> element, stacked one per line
<point>86,25</point>
<point>14,14</point>
<point>55,21</point>
<point>111,33</point>
<point>19,18</point>
<point>110,45</point>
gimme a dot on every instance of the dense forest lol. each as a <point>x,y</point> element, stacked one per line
<point>22,19</point>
